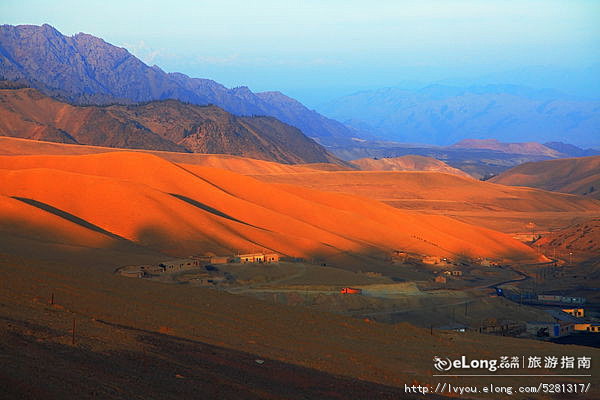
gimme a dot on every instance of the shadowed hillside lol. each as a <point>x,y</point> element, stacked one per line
<point>581,239</point>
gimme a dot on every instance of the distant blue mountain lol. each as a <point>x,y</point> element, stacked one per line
<point>571,151</point>
<point>443,114</point>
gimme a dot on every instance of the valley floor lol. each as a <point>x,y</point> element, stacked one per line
<point>138,339</point>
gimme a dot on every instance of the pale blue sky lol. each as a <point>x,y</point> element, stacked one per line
<point>316,50</point>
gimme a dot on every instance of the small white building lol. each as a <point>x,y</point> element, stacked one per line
<point>259,258</point>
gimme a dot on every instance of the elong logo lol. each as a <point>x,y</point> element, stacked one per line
<point>445,364</point>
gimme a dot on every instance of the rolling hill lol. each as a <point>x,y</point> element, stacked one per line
<point>582,239</point>
<point>570,175</point>
<point>161,125</point>
<point>532,148</point>
<point>504,208</point>
<point>182,209</point>
<point>499,207</point>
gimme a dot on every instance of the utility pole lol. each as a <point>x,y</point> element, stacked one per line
<point>73,337</point>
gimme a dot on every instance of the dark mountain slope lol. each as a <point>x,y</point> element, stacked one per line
<point>161,125</point>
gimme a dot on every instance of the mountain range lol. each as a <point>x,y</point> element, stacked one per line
<point>84,69</point>
<point>442,115</point>
<point>480,158</point>
<point>157,125</point>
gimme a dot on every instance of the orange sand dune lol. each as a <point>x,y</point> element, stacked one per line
<point>480,203</point>
<point>242,165</point>
<point>426,231</point>
<point>503,208</point>
<point>182,210</point>
<point>412,189</point>
<point>152,218</point>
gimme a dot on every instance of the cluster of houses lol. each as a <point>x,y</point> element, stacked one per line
<point>486,262</point>
<point>566,322</point>
<point>435,260</point>
<point>144,271</point>
<point>258,258</point>
<point>443,277</point>
<point>406,257</point>
<point>178,265</point>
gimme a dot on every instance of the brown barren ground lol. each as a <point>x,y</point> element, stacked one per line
<point>569,175</point>
<point>407,163</point>
<point>139,339</point>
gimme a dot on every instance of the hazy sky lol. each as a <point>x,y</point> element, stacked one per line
<point>319,49</point>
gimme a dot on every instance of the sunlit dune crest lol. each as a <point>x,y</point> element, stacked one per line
<point>242,165</point>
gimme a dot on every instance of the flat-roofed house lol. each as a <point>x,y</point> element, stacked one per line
<point>259,258</point>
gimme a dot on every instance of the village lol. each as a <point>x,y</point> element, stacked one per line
<point>206,271</point>
<point>459,295</point>
<point>434,271</point>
